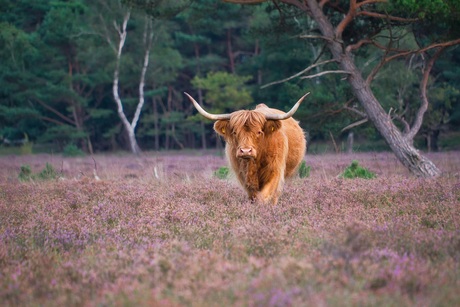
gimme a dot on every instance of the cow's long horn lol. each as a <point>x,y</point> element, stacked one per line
<point>206,114</point>
<point>288,114</point>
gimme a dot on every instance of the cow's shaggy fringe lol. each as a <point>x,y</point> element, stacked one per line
<point>191,239</point>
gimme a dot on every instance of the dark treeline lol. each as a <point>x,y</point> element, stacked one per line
<point>64,65</point>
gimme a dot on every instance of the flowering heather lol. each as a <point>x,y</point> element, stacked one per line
<point>162,230</point>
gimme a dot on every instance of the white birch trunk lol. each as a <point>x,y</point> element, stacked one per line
<point>130,127</point>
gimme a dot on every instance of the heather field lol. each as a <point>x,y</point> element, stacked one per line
<point>162,230</point>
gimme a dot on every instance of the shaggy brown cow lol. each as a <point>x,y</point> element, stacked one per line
<point>264,146</point>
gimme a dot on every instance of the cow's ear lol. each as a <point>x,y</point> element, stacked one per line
<point>271,126</point>
<point>221,127</point>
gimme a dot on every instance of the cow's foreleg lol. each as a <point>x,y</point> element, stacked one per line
<point>249,178</point>
<point>271,190</point>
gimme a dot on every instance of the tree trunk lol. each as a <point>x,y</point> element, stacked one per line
<point>400,145</point>
<point>127,125</point>
<point>90,145</point>
<point>156,124</point>
<point>202,126</point>
<point>132,141</point>
<point>432,140</point>
<point>174,137</point>
<point>203,135</point>
<point>231,58</point>
<point>350,141</point>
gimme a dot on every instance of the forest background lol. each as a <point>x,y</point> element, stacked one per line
<point>68,69</point>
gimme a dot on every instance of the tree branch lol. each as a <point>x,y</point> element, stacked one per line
<point>359,44</point>
<point>382,62</point>
<point>346,21</point>
<point>53,110</point>
<point>322,3</point>
<point>404,53</point>
<point>52,120</point>
<point>423,95</point>
<point>299,4</point>
<point>362,3</point>
<point>362,114</point>
<point>325,73</point>
<point>148,38</point>
<point>316,37</point>
<point>297,74</point>
<point>107,35</point>
<point>244,1</point>
<point>403,122</point>
<point>116,96</point>
<point>383,16</point>
<point>353,13</point>
<point>355,124</point>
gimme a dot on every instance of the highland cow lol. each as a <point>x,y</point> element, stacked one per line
<point>263,146</point>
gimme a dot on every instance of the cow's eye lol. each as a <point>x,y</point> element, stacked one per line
<point>260,133</point>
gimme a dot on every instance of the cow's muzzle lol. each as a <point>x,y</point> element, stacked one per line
<point>246,153</point>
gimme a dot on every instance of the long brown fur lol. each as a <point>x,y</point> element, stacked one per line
<point>278,147</point>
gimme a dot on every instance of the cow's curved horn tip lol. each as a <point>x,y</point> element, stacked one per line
<point>303,97</point>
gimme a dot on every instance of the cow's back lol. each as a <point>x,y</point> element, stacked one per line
<point>296,140</point>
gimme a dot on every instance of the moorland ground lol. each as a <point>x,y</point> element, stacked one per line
<point>162,230</point>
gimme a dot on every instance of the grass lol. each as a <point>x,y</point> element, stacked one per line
<point>164,231</point>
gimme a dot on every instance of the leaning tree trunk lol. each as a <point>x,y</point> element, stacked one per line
<point>402,146</point>
<point>399,144</point>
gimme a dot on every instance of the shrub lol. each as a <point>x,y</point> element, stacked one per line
<point>222,173</point>
<point>304,170</point>
<point>72,150</point>
<point>356,171</point>
<point>48,173</point>
<point>25,173</point>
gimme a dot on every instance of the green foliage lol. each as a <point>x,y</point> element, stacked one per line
<point>48,173</point>
<point>437,19</point>
<point>57,62</point>
<point>304,170</point>
<point>158,8</point>
<point>224,91</point>
<point>451,142</point>
<point>356,171</point>
<point>72,150</point>
<point>25,173</point>
<point>16,45</point>
<point>426,8</point>
<point>222,173</point>
<point>62,134</point>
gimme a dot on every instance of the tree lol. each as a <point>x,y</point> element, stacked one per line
<point>15,112</point>
<point>68,91</point>
<point>346,26</point>
<point>224,91</point>
<point>52,100</point>
<point>444,92</point>
<point>57,71</point>
<point>211,39</point>
<point>117,45</point>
